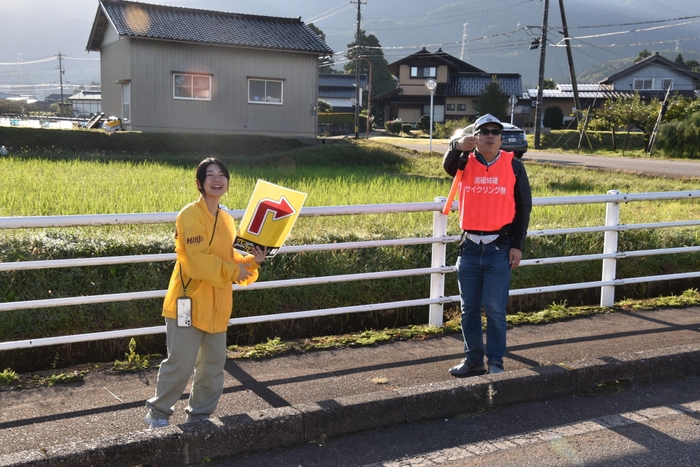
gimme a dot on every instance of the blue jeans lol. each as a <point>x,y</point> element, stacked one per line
<point>483,272</point>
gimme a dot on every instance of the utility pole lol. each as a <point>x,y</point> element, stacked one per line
<point>60,74</point>
<point>357,70</point>
<point>540,87</point>
<point>369,95</point>
<point>572,72</point>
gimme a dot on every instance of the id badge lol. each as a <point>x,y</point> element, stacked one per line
<point>184,312</point>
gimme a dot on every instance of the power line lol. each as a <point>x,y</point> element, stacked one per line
<point>628,24</point>
<point>43,60</point>
<point>320,17</point>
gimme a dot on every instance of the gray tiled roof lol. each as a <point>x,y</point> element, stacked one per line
<point>338,86</point>
<point>135,19</point>
<point>339,80</point>
<point>468,84</point>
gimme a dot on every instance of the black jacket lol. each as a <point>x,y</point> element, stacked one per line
<point>523,195</point>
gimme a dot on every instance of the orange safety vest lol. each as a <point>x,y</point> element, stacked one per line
<point>487,194</point>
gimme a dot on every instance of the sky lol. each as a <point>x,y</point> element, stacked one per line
<point>493,36</point>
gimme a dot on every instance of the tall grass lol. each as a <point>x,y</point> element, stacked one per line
<point>345,173</point>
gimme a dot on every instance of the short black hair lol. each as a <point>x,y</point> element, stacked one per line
<point>202,172</point>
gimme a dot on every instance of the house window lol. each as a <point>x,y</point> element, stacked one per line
<point>642,84</point>
<point>450,106</point>
<point>423,72</point>
<point>462,107</point>
<point>648,84</point>
<point>265,91</point>
<point>192,87</point>
<point>126,102</point>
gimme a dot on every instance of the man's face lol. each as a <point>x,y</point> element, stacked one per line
<point>489,138</point>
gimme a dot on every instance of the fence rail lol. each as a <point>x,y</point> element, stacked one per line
<point>437,271</point>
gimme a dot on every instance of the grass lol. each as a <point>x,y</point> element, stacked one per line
<point>339,173</point>
<point>9,379</point>
<point>555,312</point>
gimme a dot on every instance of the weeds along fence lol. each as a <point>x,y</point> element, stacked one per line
<point>437,270</point>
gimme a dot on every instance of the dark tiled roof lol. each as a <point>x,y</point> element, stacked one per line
<point>339,86</point>
<point>424,56</point>
<point>469,84</point>
<point>135,19</point>
<point>339,80</point>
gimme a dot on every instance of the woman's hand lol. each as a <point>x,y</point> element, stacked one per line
<point>259,254</point>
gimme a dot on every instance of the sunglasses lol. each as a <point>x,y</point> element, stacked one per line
<point>486,131</point>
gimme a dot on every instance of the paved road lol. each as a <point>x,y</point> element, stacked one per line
<point>626,425</point>
<point>645,166</point>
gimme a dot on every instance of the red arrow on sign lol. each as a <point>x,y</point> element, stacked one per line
<point>280,209</point>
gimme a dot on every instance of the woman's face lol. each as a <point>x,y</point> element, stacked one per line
<point>215,182</point>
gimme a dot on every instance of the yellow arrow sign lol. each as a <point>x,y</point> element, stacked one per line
<point>269,217</point>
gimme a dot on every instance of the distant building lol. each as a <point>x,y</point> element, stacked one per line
<point>652,76</point>
<point>174,69</point>
<point>339,90</point>
<point>459,86</point>
<point>86,102</point>
<point>56,97</point>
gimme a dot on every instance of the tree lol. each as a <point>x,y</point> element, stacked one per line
<point>680,138</point>
<point>324,107</point>
<point>628,111</point>
<point>679,60</point>
<point>693,65</point>
<point>553,118</point>
<point>325,64</point>
<point>371,49</point>
<point>642,55</point>
<point>549,84</point>
<point>493,101</point>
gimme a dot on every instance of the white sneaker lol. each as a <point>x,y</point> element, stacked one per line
<point>155,422</point>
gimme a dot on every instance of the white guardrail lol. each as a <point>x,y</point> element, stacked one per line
<point>437,269</point>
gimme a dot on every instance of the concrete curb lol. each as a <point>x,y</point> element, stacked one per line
<point>289,426</point>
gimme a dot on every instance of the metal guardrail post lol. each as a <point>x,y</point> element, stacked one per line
<point>612,218</point>
<point>437,260</point>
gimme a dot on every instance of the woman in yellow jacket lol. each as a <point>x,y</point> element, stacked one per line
<point>206,267</point>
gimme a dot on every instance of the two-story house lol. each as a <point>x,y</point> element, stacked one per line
<point>459,86</point>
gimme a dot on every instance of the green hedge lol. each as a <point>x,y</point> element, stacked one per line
<point>98,142</point>
<point>569,139</point>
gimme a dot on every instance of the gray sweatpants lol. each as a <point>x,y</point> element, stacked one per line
<point>190,349</point>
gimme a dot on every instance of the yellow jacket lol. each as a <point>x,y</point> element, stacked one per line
<point>207,270</point>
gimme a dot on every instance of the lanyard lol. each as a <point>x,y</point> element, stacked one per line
<point>182,280</point>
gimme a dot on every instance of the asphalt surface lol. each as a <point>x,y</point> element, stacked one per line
<point>643,166</point>
<point>621,425</point>
<point>315,397</point>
